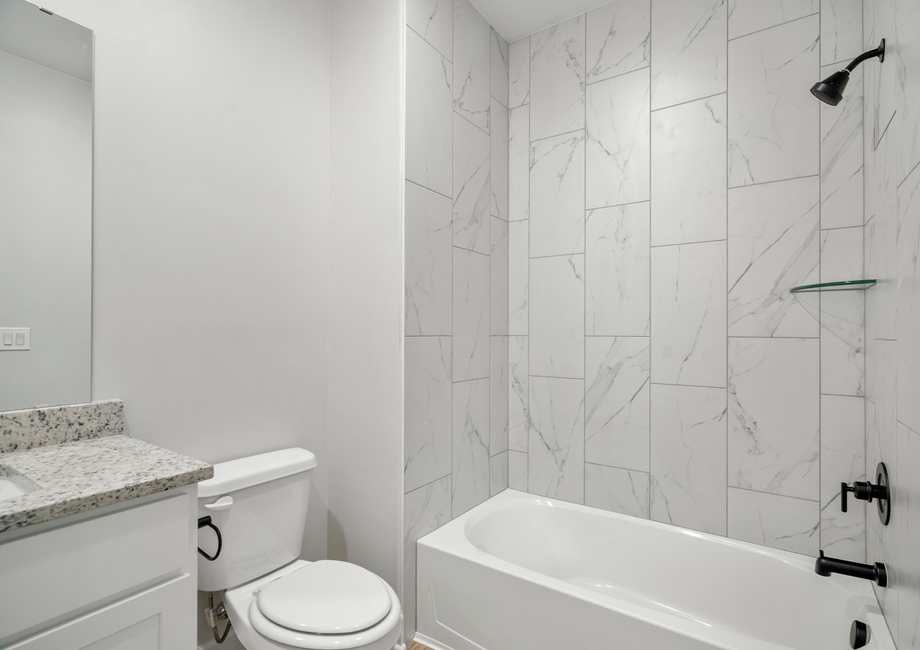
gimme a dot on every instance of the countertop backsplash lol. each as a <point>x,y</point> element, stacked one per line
<point>41,427</point>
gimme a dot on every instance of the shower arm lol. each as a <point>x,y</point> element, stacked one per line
<point>879,52</point>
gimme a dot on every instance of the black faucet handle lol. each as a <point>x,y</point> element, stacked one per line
<point>844,488</point>
<point>862,490</point>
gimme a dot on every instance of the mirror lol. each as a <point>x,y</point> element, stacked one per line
<point>46,170</point>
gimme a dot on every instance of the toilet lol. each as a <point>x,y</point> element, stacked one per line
<point>274,600</point>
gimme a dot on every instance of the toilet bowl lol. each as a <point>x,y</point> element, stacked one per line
<point>257,631</point>
<point>274,600</point>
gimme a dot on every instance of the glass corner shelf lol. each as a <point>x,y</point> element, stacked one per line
<point>847,285</point>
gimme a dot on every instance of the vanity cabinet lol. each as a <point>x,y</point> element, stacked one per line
<point>116,578</point>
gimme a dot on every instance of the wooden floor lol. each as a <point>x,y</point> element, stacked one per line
<point>415,645</point>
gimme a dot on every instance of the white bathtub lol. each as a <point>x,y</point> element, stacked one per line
<point>520,572</point>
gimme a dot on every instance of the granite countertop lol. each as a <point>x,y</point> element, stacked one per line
<point>74,477</point>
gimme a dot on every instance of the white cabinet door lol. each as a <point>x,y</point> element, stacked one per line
<point>155,619</point>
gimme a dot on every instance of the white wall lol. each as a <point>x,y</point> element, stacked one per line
<point>210,225</point>
<point>46,130</point>
<point>365,286</point>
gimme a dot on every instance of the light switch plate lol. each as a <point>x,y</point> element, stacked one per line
<point>14,338</point>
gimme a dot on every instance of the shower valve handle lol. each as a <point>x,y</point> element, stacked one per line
<point>862,490</point>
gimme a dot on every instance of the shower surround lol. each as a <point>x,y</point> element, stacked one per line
<point>669,178</point>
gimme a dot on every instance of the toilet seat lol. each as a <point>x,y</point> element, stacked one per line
<point>326,597</point>
<point>287,592</point>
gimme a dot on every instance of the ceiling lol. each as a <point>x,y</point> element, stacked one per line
<point>515,19</point>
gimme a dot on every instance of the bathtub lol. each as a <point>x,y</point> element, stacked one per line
<point>520,572</point>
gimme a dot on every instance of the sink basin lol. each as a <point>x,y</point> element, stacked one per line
<point>8,489</point>
<point>13,484</point>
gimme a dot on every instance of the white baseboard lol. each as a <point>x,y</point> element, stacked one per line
<point>431,643</point>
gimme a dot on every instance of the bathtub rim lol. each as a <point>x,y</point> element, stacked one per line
<point>447,539</point>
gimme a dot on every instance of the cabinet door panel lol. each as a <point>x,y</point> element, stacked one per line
<point>156,619</point>
<point>56,573</point>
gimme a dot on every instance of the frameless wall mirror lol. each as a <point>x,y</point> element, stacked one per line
<point>46,181</point>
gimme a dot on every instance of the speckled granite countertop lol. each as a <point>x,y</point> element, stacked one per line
<point>78,476</point>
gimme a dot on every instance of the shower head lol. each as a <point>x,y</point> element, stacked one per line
<point>830,91</point>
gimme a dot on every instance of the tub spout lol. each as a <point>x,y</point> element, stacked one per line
<point>825,566</point>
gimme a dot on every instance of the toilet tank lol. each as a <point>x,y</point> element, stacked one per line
<point>259,503</point>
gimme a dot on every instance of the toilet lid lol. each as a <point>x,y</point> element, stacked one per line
<point>326,597</point>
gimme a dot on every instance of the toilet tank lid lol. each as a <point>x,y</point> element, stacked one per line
<point>245,472</point>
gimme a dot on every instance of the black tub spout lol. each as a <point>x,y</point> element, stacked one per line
<point>825,566</point>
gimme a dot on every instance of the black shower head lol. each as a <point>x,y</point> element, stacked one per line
<point>830,91</point>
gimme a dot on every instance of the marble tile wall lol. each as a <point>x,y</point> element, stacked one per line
<point>458,270</point>
<point>670,179</point>
<point>891,142</point>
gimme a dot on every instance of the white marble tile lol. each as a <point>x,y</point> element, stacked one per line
<point>907,98</point>
<point>882,79</point>
<point>472,187</point>
<point>774,521</point>
<point>841,30</point>
<point>617,402</point>
<point>557,192</point>
<point>519,72</point>
<point>519,163</point>
<point>688,176</point>
<point>427,404</point>
<point>617,271</point>
<point>688,56</point>
<point>498,289</point>
<point>426,510</point>
<point>518,394</point>
<point>500,56</point>
<point>619,38</point>
<point>882,207</point>
<point>428,262</point>
<point>842,155</point>
<point>843,459</point>
<point>688,315</point>
<point>773,416</point>
<point>433,20</point>
<point>843,314</point>
<point>470,469</point>
<point>616,490</point>
<point>617,156</point>
<point>498,161</point>
<point>882,435</point>
<point>498,395</point>
<point>499,473</point>
<point>428,116</point>
<point>471,315</point>
<point>472,64</point>
<point>773,245</point>
<point>688,437</point>
<point>557,316</point>
<point>746,16</point>
<point>772,124</point>
<point>909,598</point>
<point>518,274</point>
<point>908,323</point>
<point>517,470</point>
<point>557,79</point>
<point>556,457</point>
<point>843,350</point>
